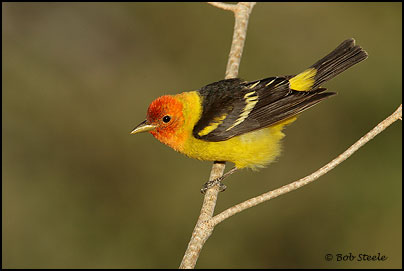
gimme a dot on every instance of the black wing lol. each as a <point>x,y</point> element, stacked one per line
<point>232,107</point>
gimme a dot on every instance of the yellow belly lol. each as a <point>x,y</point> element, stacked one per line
<point>253,150</point>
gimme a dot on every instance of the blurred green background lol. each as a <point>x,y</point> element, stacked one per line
<point>80,192</point>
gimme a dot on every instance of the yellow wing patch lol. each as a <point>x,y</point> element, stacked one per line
<point>304,80</point>
<point>271,82</point>
<point>213,125</point>
<point>253,86</point>
<point>250,103</point>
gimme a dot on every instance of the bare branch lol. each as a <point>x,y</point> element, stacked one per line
<point>204,228</point>
<point>312,177</point>
<point>223,6</point>
<point>242,14</point>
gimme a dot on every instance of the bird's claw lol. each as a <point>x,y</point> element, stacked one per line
<point>212,183</point>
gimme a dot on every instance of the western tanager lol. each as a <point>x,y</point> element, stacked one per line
<point>241,122</point>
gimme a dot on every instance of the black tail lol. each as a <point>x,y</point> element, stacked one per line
<point>344,56</point>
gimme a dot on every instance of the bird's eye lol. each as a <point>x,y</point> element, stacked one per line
<point>166,119</point>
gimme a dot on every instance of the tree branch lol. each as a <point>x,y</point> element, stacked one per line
<point>204,228</point>
<point>397,115</point>
<point>223,6</point>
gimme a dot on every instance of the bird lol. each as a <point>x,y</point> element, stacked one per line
<point>238,121</point>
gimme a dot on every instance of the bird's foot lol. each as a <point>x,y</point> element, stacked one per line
<point>209,184</point>
<point>218,181</point>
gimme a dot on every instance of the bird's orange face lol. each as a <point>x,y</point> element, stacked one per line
<point>165,113</point>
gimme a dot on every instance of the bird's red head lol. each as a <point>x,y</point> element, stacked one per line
<point>165,113</point>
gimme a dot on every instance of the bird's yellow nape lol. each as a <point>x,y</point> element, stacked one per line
<point>143,127</point>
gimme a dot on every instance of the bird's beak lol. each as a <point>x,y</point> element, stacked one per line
<point>143,127</point>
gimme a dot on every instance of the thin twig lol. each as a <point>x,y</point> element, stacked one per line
<point>241,13</point>
<point>223,6</point>
<point>203,228</point>
<point>312,177</point>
